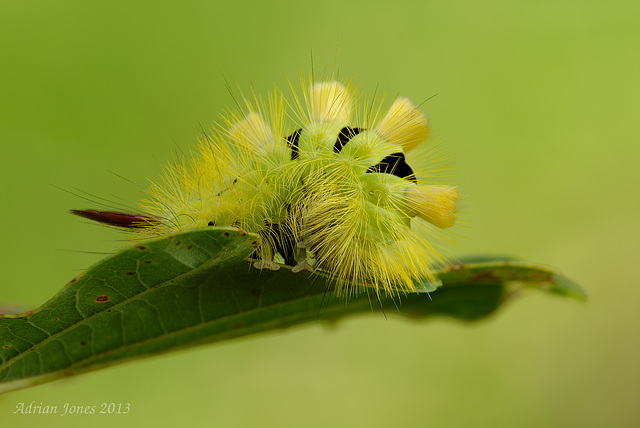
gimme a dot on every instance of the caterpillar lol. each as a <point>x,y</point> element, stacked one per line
<point>326,185</point>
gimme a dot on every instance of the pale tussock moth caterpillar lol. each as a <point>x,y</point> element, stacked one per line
<point>332,190</point>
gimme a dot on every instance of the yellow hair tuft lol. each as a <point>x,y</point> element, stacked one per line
<point>330,101</point>
<point>253,130</point>
<point>435,203</point>
<point>404,124</point>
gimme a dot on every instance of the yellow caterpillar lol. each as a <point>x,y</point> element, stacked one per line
<point>330,191</point>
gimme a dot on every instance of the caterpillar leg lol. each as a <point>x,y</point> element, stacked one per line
<point>266,264</point>
<point>267,257</point>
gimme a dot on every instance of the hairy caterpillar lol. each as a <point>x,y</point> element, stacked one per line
<point>330,191</point>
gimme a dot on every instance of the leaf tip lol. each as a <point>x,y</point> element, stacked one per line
<point>566,287</point>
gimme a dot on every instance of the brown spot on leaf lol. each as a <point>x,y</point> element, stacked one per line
<point>226,234</point>
<point>148,262</point>
<point>102,298</point>
<point>178,243</point>
<point>130,273</point>
<point>189,247</point>
<point>7,346</point>
<point>141,247</point>
<point>84,343</point>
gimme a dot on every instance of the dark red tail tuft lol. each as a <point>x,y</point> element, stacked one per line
<point>118,219</point>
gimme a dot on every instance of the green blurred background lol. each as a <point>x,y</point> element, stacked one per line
<point>538,105</point>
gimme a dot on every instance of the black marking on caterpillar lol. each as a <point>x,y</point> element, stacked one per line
<point>292,143</point>
<point>344,136</point>
<point>395,164</point>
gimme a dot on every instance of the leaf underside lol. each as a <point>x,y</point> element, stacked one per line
<point>196,287</point>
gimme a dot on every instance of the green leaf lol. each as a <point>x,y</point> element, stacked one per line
<point>197,287</point>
